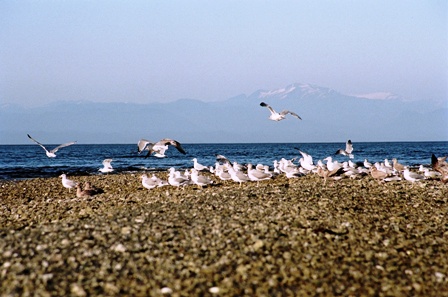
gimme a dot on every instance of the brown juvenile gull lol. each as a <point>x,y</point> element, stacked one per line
<point>52,153</point>
<point>158,147</point>
<point>275,116</point>
<point>439,165</point>
<point>84,193</point>
<point>397,166</point>
<point>377,174</point>
<point>88,186</point>
<point>348,150</point>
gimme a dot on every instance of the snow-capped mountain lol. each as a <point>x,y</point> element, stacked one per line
<point>379,96</point>
<point>296,90</point>
<point>327,116</point>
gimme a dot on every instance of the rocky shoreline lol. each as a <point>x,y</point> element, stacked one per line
<point>285,237</point>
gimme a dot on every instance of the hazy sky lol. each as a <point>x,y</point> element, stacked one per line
<point>146,51</point>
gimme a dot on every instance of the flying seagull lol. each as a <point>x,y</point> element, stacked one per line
<point>275,116</point>
<point>158,147</point>
<point>348,150</point>
<point>52,153</point>
<point>107,167</point>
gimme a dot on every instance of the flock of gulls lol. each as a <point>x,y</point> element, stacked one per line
<point>227,170</point>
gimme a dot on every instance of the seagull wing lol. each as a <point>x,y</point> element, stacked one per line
<point>61,146</point>
<point>41,145</point>
<point>268,106</point>
<point>142,144</point>
<point>221,158</point>
<point>285,112</point>
<point>341,152</point>
<point>106,163</point>
<point>306,157</point>
<point>176,144</point>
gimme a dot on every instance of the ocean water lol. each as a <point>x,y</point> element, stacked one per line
<point>30,161</point>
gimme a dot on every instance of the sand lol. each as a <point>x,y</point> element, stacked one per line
<point>286,237</point>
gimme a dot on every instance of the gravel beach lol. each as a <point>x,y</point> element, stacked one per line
<point>284,237</point>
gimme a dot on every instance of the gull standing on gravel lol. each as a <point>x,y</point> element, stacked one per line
<point>412,176</point>
<point>198,166</point>
<point>348,150</point>
<point>52,153</point>
<point>147,182</point>
<point>177,180</point>
<point>67,183</point>
<point>107,167</point>
<point>238,176</point>
<point>275,116</point>
<point>200,180</point>
<point>397,166</point>
<point>257,175</point>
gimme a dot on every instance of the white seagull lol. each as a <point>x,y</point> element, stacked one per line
<point>348,150</point>
<point>275,116</point>
<point>257,175</point>
<point>147,182</point>
<point>200,180</point>
<point>198,166</point>
<point>67,183</point>
<point>52,153</point>
<point>106,166</point>
<point>158,147</point>
<point>412,176</point>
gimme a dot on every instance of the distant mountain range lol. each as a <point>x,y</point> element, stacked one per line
<point>328,116</point>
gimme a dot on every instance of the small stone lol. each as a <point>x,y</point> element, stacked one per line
<point>166,290</point>
<point>119,248</point>
<point>77,290</point>
<point>214,290</point>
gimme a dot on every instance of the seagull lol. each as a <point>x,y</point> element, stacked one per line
<point>158,147</point>
<point>367,164</point>
<point>67,183</point>
<point>200,180</point>
<point>257,175</point>
<point>84,193</point>
<point>198,166</point>
<point>325,173</point>
<point>440,166</point>
<point>147,182</point>
<point>348,150</point>
<point>377,174</point>
<point>412,176</point>
<point>107,167</point>
<point>88,186</point>
<point>52,153</point>
<point>222,159</point>
<point>177,180</point>
<point>332,165</point>
<point>275,116</point>
<point>238,176</point>
<point>397,166</point>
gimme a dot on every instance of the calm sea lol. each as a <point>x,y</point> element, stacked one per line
<point>30,161</point>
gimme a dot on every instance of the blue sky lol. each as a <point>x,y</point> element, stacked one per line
<point>148,51</point>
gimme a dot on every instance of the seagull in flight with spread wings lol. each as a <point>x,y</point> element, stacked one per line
<point>52,153</point>
<point>158,147</point>
<point>275,116</point>
<point>348,150</point>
